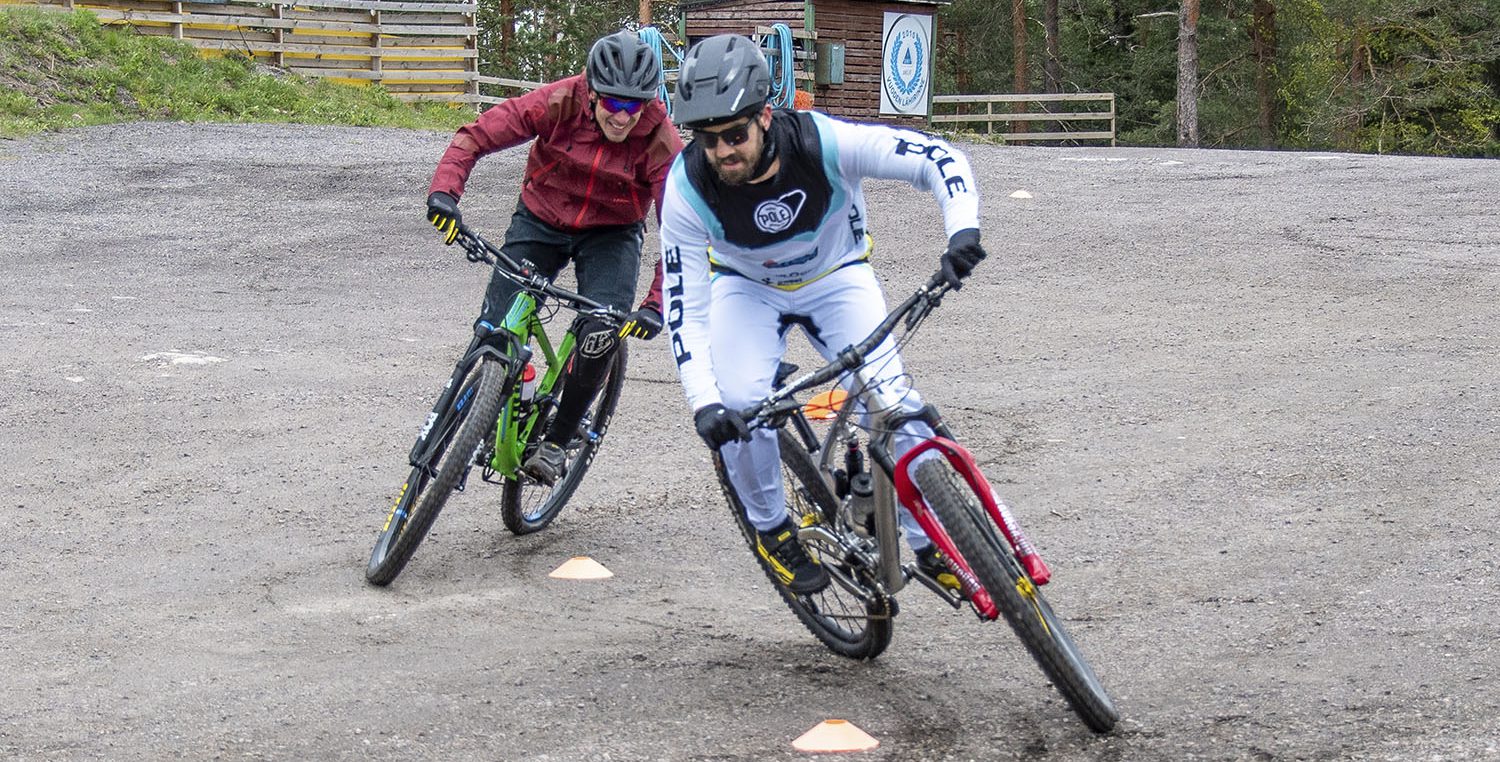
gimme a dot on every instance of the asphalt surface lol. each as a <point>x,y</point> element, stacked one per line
<point>1244,402</point>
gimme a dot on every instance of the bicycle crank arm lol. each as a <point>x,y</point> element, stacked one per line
<point>954,598</point>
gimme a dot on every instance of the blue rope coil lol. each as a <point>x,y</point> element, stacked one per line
<point>782,60</point>
<point>654,40</point>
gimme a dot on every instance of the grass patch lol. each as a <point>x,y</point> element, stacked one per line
<point>67,70</point>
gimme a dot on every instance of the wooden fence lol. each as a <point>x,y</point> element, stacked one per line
<point>965,109</point>
<point>419,51</point>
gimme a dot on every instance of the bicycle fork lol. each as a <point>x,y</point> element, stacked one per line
<point>963,462</point>
<point>455,396</point>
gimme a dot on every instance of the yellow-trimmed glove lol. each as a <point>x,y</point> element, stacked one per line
<point>442,212</point>
<point>644,324</point>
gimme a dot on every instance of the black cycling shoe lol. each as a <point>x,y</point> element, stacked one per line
<point>546,465</point>
<point>796,570</point>
<point>934,564</point>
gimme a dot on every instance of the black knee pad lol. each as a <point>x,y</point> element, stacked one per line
<point>597,338</point>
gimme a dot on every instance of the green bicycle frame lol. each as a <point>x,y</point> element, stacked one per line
<point>511,435</point>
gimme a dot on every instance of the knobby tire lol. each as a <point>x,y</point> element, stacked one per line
<point>1025,609</point>
<point>844,622</point>
<point>460,433</point>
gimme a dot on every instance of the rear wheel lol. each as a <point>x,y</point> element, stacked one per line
<point>1018,598</point>
<point>850,617</point>
<point>459,433</point>
<point>526,505</point>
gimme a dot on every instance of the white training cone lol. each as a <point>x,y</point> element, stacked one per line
<point>835,735</point>
<point>1020,194</point>
<point>581,567</point>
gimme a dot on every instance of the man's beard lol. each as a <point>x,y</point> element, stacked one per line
<point>739,175</point>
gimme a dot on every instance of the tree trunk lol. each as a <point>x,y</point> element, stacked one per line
<point>1263,47</point>
<point>1051,67</point>
<point>645,14</point>
<point>507,34</point>
<point>962,79</point>
<point>1018,43</point>
<point>1187,74</point>
<point>1018,40</point>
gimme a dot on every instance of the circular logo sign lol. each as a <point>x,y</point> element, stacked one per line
<point>906,52</point>
<point>777,214</point>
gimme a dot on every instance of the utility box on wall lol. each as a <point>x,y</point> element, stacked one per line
<point>829,69</point>
<point>851,67</point>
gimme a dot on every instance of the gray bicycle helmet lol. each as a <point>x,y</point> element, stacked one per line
<point>622,65</point>
<point>722,78</point>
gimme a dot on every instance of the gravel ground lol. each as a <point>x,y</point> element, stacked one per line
<point>1244,402</point>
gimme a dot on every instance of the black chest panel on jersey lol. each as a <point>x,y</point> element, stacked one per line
<point>792,202</point>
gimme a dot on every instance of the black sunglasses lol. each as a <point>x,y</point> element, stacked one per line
<point>732,137</point>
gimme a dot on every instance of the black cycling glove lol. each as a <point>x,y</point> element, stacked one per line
<point>718,425</point>
<point>962,255</point>
<point>442,212</point>
<point>644,323</point>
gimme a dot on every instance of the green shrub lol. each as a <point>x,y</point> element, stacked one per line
<point>66,69</point>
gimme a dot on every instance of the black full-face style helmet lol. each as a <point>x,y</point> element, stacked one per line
<point>623,66</point>
<point>723,77</point>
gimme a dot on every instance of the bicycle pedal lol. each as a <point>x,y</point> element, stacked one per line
<point>954,598</point>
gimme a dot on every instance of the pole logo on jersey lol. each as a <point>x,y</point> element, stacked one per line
<point>777,214</point>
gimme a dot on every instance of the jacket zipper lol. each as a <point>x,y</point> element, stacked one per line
<point>542,171</point>
<point>588,192</point>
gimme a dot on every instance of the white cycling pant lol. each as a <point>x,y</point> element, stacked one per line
<point>748,325</point>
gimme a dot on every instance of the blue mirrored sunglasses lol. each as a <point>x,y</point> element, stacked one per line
<point>627,105</point>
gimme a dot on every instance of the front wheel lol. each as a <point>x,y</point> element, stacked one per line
<point>851,617</point>
<point>459,433</point>
<point>527,506</point>
<point>1018,598</point>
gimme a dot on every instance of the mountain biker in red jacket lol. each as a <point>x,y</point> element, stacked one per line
<point>603,147</point>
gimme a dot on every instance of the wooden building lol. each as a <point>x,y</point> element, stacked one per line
<point>839,45</point>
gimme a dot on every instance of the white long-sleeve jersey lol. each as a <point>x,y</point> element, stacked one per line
<point>800,225</point>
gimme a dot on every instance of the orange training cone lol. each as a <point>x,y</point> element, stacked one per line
<point>824,406</point>
<point>835,735</point>
<point>581,567</point>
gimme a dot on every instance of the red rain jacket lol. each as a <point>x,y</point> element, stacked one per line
<point>575,178</point>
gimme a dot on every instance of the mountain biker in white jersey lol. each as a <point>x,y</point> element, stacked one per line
<point>764,228</point>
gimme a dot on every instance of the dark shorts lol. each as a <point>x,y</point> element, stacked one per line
<point>606,261</point>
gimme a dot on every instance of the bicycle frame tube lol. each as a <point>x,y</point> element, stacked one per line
<point>876,397</point>
<point>520,323</point>
<point>554,367</point>
<point>511,435</point>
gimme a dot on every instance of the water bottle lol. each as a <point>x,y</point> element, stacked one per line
<point>861,502</point>
<point>528,383</point>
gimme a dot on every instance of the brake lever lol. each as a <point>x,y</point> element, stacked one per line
<point>932,298</point>
<point>922,310</point>
<point>776,414</point>
<point>609,315</point>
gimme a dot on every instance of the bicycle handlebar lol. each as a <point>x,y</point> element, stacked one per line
<point>477,249</point>
<point>913,310</point>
